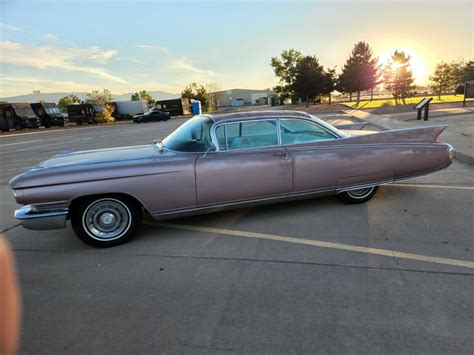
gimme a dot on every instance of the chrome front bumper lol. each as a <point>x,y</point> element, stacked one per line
<point>43,217</point>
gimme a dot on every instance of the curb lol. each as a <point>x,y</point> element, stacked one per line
<point>465,158</point>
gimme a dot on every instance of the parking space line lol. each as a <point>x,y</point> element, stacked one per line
<point>435,186</point>
<point>24,142</point>
<point>319,243</point>
<point>46,131</point>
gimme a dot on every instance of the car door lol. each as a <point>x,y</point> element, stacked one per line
<point>250,164</point>
<point>313,162</point>
<point>320,165</point>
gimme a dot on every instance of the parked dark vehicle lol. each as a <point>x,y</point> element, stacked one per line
<point>155,115</point>
<point>18,116</point>
<point>5,124</point>
<point>176,107</point>
<point>216,162</point>
<point>49,114</point>
<point>83,113</point>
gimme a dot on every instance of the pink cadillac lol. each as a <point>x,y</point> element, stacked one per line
<point>215,162</point>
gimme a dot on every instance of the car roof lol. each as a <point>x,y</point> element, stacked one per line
<point>249,115</point>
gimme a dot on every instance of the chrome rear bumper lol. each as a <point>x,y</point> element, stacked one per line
<point>42,217</point>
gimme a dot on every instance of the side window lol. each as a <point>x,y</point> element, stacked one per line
<point>251,134</point>
<point>220,135</point>
<point>295,131</point>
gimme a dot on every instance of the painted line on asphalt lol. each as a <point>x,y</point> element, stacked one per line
<point>41,132</point>
<point>319,243</point>
<point>468,188</point>
<point>25,142</point>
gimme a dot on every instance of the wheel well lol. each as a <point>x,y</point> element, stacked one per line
<point>76,201</point>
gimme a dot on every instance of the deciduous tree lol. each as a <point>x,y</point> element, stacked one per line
<point>309,78</point>
<point>143,95</point>
<point>468,71</point>
<point>442,79</point>
<point>105,116</point>
<point>346,82</point>
<point>285,69</point>
<point>329,82</point>
<point>67,100</point>
<point>398,77</point>
<point>197,92</point>
<point>99,97</point>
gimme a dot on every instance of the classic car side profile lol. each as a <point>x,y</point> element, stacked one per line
<point>216,162</point>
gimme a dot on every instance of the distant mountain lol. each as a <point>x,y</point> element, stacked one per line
<point>55,96</point>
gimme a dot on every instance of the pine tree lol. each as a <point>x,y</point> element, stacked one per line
<point>361,71</point>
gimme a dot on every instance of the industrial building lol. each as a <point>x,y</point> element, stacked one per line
<point>241,97</point>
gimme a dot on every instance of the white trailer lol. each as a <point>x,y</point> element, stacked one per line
<point>130,108</point>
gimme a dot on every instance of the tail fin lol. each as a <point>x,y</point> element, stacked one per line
<point>428,134</point>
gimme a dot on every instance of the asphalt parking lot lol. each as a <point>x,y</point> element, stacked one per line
<point>393,275</point>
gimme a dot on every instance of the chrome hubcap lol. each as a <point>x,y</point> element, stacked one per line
<point>107,219</point>
<point>360,193</point>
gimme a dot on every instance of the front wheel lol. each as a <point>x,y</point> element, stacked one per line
<point>105,221</point>
<point>358,196</point>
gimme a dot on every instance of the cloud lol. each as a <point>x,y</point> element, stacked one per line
<point>19,85</point>
<point>153,47</point>
<point>184,65</point>
<point>7,27</point>
<point>83,60</point>
<point>50,37</point>
<point>134,60</point>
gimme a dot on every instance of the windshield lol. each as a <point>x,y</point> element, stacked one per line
<point>24,112</point>
<point>52,110</point>
<point>192,136</point>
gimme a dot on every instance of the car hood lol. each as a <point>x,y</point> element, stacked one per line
<point>99,156</point>
<point>90,165</point>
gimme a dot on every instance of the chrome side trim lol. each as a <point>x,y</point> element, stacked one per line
<point>364,186</point>
<point>238,204</point>
<point>32,218</point>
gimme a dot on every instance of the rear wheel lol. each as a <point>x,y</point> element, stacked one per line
<point>358,195</point>
<point>105,221</point>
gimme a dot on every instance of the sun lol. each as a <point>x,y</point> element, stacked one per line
<point>417,64</point>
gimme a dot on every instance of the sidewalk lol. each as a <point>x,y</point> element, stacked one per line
<point>460,132</point>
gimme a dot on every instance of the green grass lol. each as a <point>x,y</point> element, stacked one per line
<point>409,101</point>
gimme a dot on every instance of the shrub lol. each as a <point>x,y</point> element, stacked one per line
<point>106,115</point>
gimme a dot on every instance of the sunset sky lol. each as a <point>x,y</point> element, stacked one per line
<point>126,46</point>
